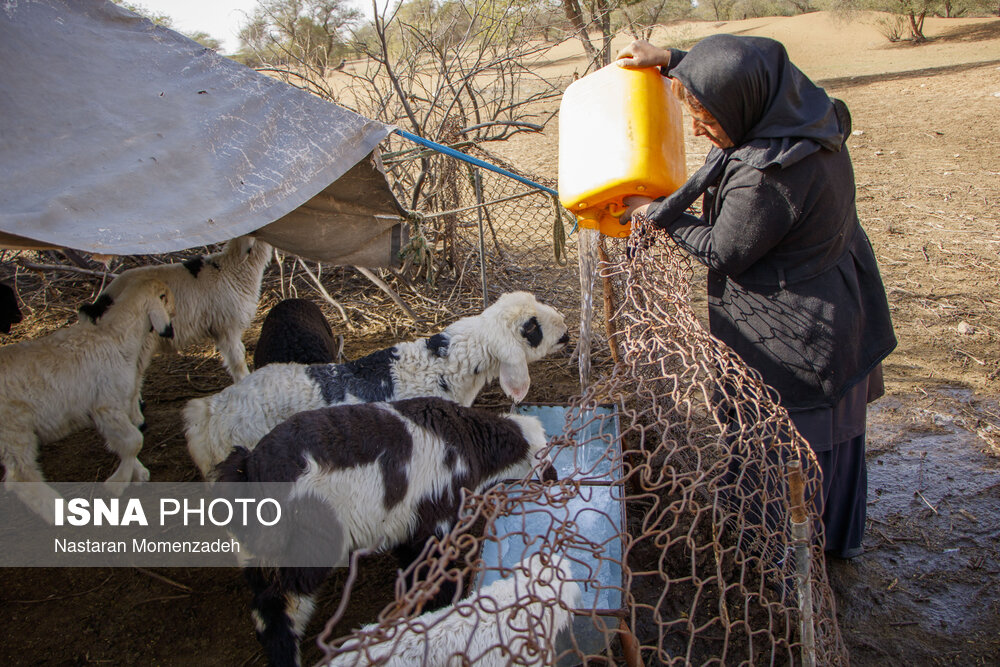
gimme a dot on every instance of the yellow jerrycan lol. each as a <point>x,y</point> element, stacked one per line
<point>620,134</point>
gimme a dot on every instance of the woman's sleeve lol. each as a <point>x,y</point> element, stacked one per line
<point>752,220</point>
<point>676,56</point>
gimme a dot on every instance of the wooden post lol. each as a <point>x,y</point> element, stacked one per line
<point>630,645</point>
<point>609,307</point>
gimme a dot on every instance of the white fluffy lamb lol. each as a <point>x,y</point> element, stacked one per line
<point>455,364</point>
<point>216,297</point>
<point>519,616</point>
<point>80,375</point>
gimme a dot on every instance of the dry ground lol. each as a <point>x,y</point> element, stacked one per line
<point>926,591</point>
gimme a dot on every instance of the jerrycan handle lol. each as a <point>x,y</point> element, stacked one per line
<point>616,212</point>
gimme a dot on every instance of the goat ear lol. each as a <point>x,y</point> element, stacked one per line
<point>514,377</point>
<point>531,330</point>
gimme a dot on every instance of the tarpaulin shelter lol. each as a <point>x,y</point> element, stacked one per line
<point>118,136</point>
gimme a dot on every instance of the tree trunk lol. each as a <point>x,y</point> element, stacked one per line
<point>605,12</point>
<point>575,16</point>
<point>917,27</point>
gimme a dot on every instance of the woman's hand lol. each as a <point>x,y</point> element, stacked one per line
<point>636,204</point>
<point>640,54</point>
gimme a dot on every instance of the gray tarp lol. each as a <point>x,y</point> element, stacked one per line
<point>121,137</point>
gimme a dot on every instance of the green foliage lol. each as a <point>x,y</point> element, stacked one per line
<point>718,10</point>
<point>910,16</point>
<point>307,32</point>
<point>441,24</point>
<point>205,40</point>
<point>746,9</point>
<point>146,13</point>
<point>166,21</point>
<point>639,17</point>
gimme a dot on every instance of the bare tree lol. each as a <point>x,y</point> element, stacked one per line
<point>915,11</point>
<point>720,9</point>
<point>910,14</point>
<point>462,74</point>
<point>642,16</point>
<point>575,15</point>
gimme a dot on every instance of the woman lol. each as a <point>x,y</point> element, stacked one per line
<point>793,284</point>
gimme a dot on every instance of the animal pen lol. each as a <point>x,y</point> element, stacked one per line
<point>682,505</point>
<point>674,444</point>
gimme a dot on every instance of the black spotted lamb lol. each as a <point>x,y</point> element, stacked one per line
<point>454,364</point>
<point>389,472</point>
<point>216,297</point>
<point>295,331</point>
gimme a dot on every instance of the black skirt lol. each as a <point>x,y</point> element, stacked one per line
<point>837,437</point>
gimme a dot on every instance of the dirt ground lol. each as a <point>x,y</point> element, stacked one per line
<point>927,589</point>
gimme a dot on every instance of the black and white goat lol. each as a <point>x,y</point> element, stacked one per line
<point>216,297</point>
<point>455,364</point>
<point>390,473</point>
<point>520,615</point>
<point>81,375</point>
<point>9,312</point>
<point>295,331</point>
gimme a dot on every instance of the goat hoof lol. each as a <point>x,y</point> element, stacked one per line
<point>140,474</point>
<point>41,499</point>
<point>115,488</point>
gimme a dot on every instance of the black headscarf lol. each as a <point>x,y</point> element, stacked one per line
<point>772,112</point>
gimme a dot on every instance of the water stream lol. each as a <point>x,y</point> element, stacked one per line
<point>587,240</point>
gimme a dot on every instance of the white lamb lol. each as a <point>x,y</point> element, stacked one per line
<point>455,364</point>
<point>216,297</point>
<point>80,375</point>
<point>517,616</point>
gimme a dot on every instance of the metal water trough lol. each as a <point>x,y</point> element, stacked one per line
<point>598,511</point>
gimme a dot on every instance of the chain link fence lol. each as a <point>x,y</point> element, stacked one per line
<point>485,230</point>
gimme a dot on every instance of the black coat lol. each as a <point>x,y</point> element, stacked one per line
<point>793,284</point>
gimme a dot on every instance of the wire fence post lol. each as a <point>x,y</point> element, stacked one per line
<point>482,235</point>
<point>803,558</point>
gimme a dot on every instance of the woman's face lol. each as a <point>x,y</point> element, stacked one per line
<point>703,124</point>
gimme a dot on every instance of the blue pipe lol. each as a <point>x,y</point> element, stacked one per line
<point>471,160</point>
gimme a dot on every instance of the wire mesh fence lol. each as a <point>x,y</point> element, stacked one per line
<point>481,227</point>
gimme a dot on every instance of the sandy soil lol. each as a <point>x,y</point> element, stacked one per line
<point>927,588</point>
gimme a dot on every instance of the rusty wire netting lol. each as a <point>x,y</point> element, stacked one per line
<point>703,568</point>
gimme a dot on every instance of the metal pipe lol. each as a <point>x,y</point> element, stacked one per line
<point>801,540</point>
<point>471,160</point>
<point>482,235</point>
